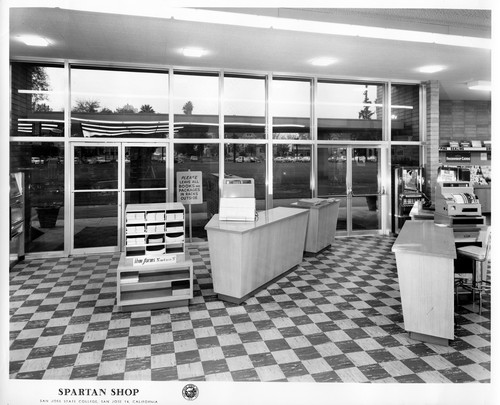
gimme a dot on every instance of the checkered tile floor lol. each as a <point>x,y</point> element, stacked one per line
<point>335,318</point>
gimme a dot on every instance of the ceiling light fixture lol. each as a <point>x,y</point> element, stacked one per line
<point>481,85</point>
<point>431,69</point>
<point>193,52</point>
<point>324,61</point>
<point>33,40</point>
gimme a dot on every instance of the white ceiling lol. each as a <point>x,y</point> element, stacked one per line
<point>155,41</point>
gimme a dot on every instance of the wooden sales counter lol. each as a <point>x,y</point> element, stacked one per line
<point>322,223</point>
<point>247,256</point>
<point>424,256</point>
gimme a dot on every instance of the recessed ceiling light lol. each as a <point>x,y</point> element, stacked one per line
<point>324,61</point>
<point>193,52</point>
<point>479,85</point>
<point>431,69</point>
<point>33,40</point>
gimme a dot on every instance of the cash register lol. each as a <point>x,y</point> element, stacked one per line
<point>457,206</point>
<point>456,198</point>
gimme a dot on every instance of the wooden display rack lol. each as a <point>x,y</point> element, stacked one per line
<point>155,270</point>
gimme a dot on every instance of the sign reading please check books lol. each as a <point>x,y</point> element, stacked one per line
<point>149,260</point>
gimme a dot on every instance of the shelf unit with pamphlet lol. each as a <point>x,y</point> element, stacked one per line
<point>155,269</point>
<point>154,229</point>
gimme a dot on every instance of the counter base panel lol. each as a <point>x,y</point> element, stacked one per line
<point>321,227</point>
<point>238,301</point>
<point>426,287</point>
<point>421,337</point>
<point>312,254</point>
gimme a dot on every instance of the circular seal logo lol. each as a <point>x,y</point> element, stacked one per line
<point>190,392</point>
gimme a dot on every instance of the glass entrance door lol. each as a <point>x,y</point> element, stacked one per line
<point>352,175</point>
<point>95,198</point>
<point>107,177</point>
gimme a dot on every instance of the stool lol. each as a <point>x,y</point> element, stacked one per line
<point>480,256</point>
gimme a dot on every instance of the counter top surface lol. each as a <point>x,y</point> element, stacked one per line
<point>427,238</point>
<point>265,218</point>
<point>419,212</point>
<point>315,203</point>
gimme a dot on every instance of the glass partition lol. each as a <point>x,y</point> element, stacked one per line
<point>196,105</point>
<point>332,179</point>
<point>202,158</point>
<point>37,100</point>
<point>291,108</point>
<point>145,177</point>
<point>119,103</point>
<point>244,107</point>
<point>248,160</point>
<point>95,191</point>
<point>405,155</point>
<point>405,112</point>
<point>349,111</point>
<point>43,166</point>
<point>291,173</point>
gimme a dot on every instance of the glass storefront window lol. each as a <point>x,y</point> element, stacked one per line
<point>291,173</point>
<point>196,105</point>
<point>119,103</point>
<point>202,158</point>
<point>291,109</point>
<point>37,100</point>
<point>405,155</point>
<point>244,107</point>
<point>405,113</point>
<point>248,160</point>
<point>145,167</point>
<point>43,166</point>
<point>349,111</point>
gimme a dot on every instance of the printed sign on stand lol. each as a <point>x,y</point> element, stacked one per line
<point>190,191</point>
<point>189,187</point>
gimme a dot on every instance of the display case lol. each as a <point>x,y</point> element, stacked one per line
<point>407,190</point>
<point>155,269</point>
